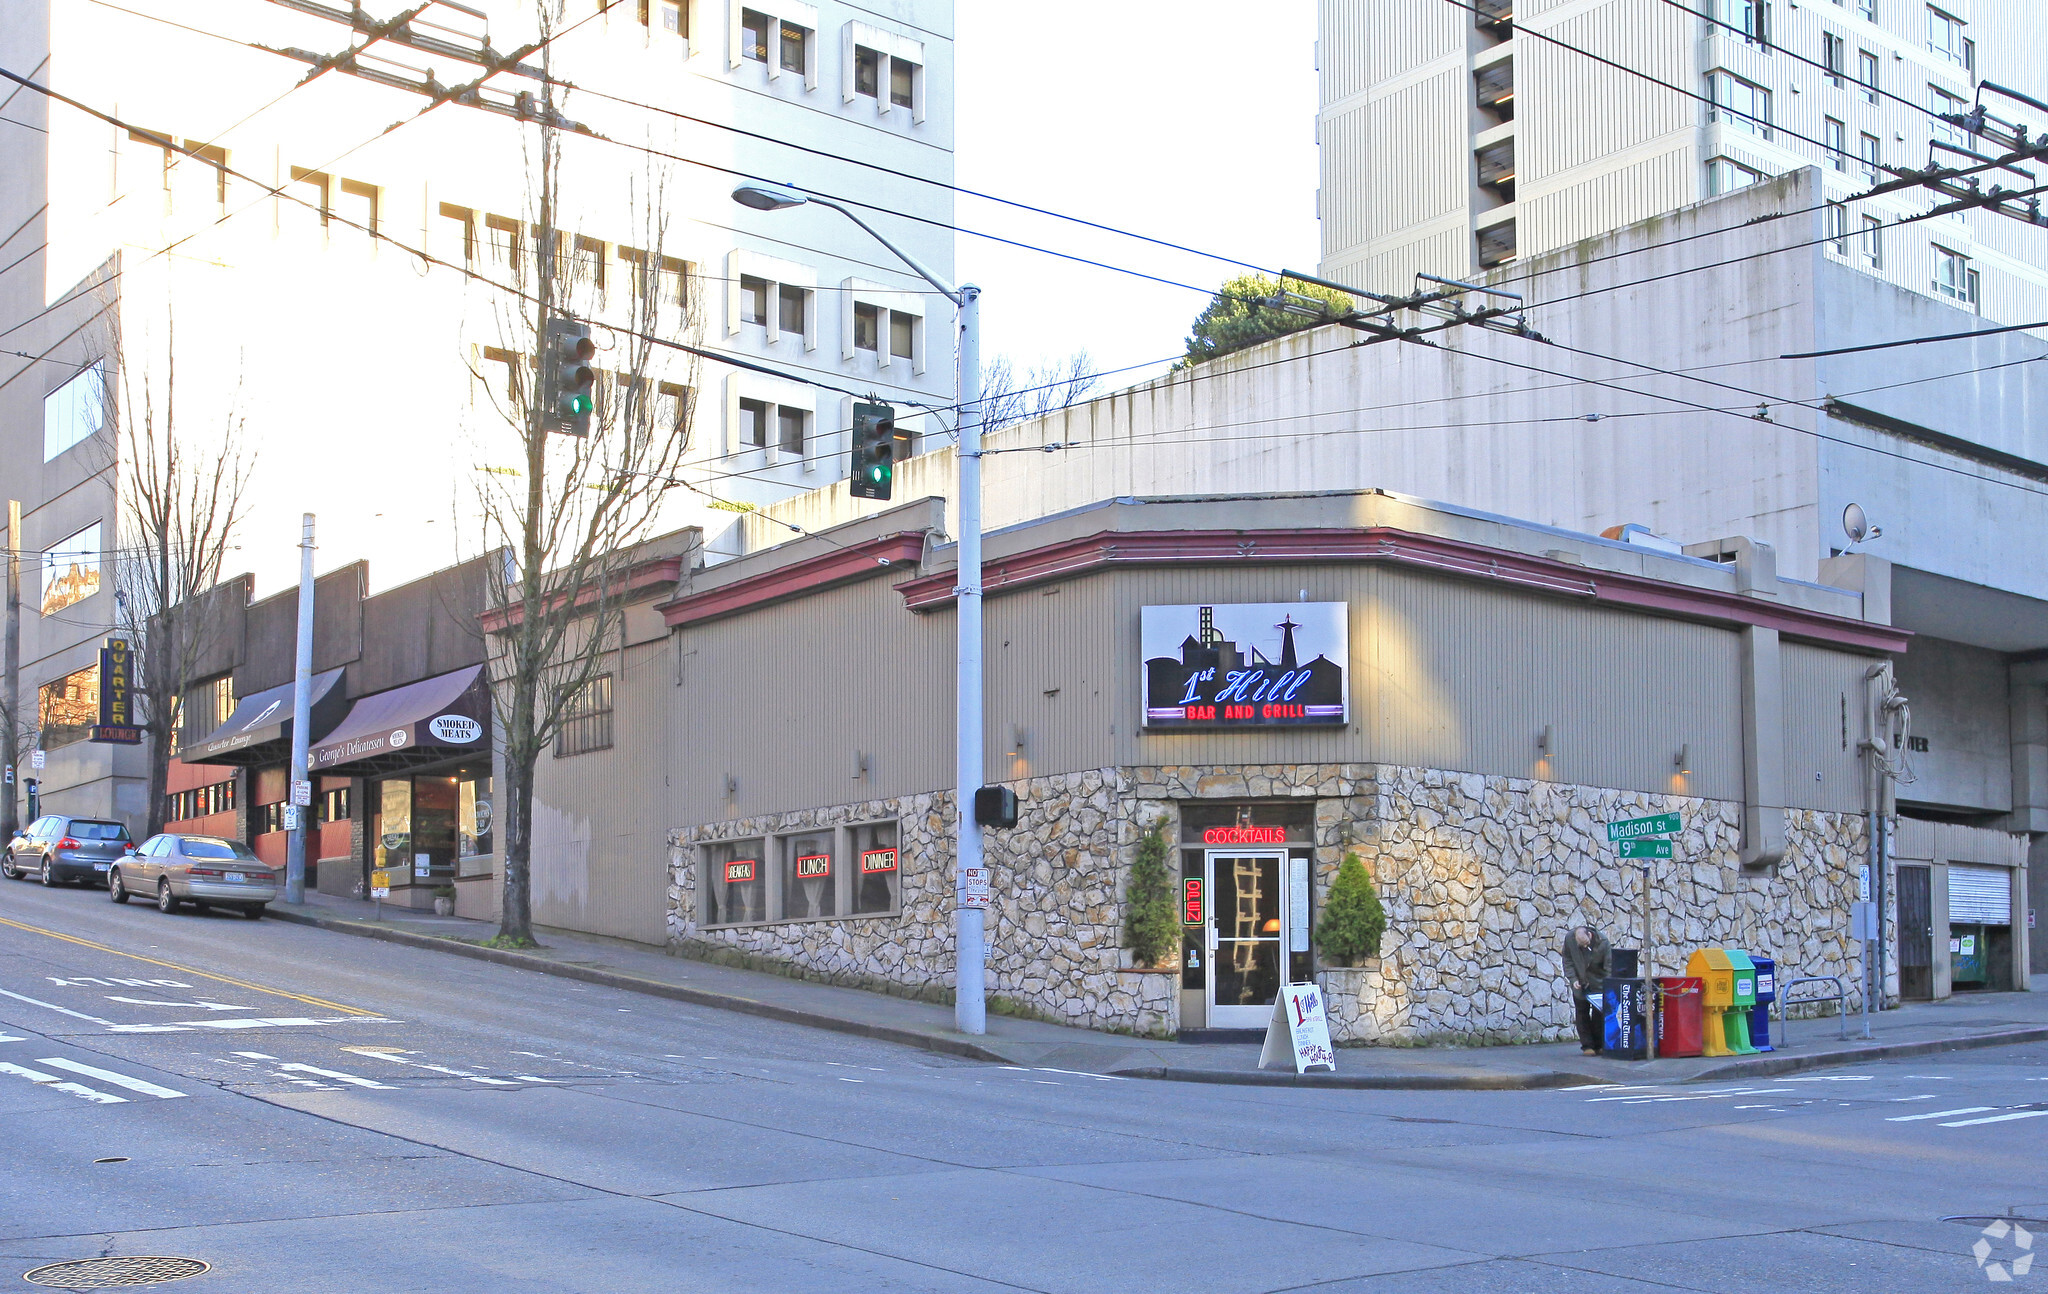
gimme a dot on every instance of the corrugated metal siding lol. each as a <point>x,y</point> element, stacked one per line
<point>1554,86</point>
<point>1367,41</point>
<point>1415,156</point>
<point>1823,698</point>
<point>1634,192</point>
<point>1979,895</point>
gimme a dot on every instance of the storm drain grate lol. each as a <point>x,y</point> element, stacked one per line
<point>112,1273</point>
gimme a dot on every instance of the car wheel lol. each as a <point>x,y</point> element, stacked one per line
<point>117,889</point>
<point>166,902</point>
<point>7,867</point>
<point>254,913</point>
<point>47,876</point>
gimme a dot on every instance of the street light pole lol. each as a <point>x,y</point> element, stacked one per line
<point>302,718</point>
<point>970,1010</point>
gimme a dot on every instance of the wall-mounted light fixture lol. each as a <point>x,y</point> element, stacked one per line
<point>1683,759</point>
<point>860,764</point>
<point>732,785</point>
<point>1017,736</point>
<point>1546,742</point>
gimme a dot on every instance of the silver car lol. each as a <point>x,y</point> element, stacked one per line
<point>205,871</point>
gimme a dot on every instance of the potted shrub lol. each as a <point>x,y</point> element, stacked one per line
<point>1353,919</point>
<point>1151,912</point>
<point>444,900</point>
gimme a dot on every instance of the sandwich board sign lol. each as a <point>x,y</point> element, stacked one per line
<point>1299,1029</point>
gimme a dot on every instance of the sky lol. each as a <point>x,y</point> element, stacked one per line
<point>1192,122</point>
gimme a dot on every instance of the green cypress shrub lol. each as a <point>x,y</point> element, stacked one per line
<point>1353,919</point>
<point>1151,913</point>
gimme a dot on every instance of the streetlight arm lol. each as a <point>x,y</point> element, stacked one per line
<point>950,292</point>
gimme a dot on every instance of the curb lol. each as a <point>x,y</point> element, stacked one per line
<point>1532,1081</point>
<point>653,988</point>
<point>1764,1067</point>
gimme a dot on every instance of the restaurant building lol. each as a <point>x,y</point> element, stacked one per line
<point>400,741</point>
<point>1461,700</point>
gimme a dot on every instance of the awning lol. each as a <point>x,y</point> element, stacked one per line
<point>260,729</point>
<point>420,723</point>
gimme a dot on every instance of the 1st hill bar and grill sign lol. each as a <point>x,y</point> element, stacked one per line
<point>1245,665</point>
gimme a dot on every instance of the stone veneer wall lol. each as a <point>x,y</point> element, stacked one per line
<point>1481,878</point>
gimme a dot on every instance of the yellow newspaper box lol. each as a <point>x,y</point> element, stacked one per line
<point>1717,979</point>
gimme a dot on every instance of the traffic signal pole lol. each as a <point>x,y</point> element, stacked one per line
<point>969,1001</point>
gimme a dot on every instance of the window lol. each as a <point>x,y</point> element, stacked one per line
<point>586,718</point>
<point>71,570</point>
<point>903,82</point>
<point>207,706</point>
<point>1945,38</point>
<point>867,327</point>
<point>315,193</point>
<point>359,210</point>
<point>796,48</point>
<point>502,237</point>
<point>1953,277</point>
<point>1947,105</point>
<point>463,230</point>
<point>735,887</point>
<point>161,141</point>
<point>515,366</point>
<point>1834,136</point>
<point>1724,176</point>
<point>1868,8</point>
<point>1873,249</point>
<point>672,409</point>
<point>875,867</point>
<point>587,262</point>
<point>754,423</point>
<point>671,16</point>
<point>474,815</point>
<point>1834,56</point>
<point>790,430</point>
<point>671,286</point>
<point>1749,19</point>
<point>1835,227</point>
<point>264,818</point>
<point>792,308</point>
<point>335,806</point>
<point>199,802</point>
<point>810,876</point>
<point>867,72</point>
<point>754,35</point>
<point>1866,74</point>
<point>753,299</point>
<point>67,709</point>
<point>1873,161</point>
<point>902,334</point>
<point>74,411</point>
<point>203,156</point>
<point>1742,104</point>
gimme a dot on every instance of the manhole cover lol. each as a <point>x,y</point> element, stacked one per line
<point>111,1273</point>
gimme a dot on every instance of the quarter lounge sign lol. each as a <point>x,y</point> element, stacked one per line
<point>1247,665</point>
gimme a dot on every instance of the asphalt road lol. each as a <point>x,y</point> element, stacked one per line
<point>308,1111</point>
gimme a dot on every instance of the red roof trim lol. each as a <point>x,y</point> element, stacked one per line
<point>827,570</point>
<point>1405,548</point>
<point>653,573</point>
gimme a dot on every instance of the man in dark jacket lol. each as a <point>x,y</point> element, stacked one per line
<point>1585,961</point>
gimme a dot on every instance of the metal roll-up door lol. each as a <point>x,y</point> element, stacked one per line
<point>1979,895</point>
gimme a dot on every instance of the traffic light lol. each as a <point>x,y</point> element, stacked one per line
<point>874,451</point>
<point>568,385</point>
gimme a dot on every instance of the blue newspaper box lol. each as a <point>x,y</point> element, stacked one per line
<point>1766,993</point>
<point>1625,1004</point>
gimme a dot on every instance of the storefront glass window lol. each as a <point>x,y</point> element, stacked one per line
<point>1218,825</point>
<point>434,801</point>
<point>875,867</point>
<point>735,884</point>
<point>476,816</point>
<point>394,826</point>
<point>810,876</point>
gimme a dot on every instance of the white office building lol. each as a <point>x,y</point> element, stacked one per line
<point>1459,137</point>
<point>336,275</point>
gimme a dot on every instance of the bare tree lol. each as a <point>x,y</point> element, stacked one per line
<point>179,499</point>
<point>570,519</point>
<point>1010,397</point>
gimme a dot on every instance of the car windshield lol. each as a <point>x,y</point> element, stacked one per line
<point>207,847</point>
<point>84,830</point>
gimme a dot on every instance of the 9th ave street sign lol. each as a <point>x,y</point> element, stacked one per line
<point>1644,848</point>
<point>1662,824</point>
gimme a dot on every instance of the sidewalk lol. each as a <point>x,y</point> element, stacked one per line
<point>1920,1029</point>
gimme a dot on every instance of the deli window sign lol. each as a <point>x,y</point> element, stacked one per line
<point>1245,665</point>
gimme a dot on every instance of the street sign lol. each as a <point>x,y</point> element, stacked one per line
<point>291,817</point>
<point>1661,824</point>
<point>35,760</point>
<point>302,794</point>
<point>1644,848</point>
<point>380,884</point>
<point>974,889</point>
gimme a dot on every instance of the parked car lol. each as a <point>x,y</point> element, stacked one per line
<point>205,871</point>
<point>57,847</point>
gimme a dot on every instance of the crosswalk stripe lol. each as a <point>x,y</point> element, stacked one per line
<point>1940,1114</point>
<point>336,1075</point>
<point>1998,1118</point>
<point>108,1076</point>
<point>40,1079</point>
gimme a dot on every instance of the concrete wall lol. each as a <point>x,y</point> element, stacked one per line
<point>1960,709</point>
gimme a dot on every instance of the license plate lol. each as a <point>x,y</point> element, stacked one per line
<point>234,878</point>
<point>99,867</point>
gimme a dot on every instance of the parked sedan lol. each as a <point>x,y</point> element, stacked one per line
<point>205,871</point>
<point>57,847</point>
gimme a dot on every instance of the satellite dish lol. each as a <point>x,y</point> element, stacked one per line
<point>1857,526</point>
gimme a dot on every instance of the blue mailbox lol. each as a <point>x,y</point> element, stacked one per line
<point>1766,993</point>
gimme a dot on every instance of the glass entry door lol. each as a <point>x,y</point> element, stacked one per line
<point>1247,918</point>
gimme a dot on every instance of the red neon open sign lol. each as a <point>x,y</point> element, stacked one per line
<point>1191,901</point>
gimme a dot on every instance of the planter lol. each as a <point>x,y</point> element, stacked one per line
<point>444,907</point>
<point>1347,991</point>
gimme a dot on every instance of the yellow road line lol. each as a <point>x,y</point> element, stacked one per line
<point>186,970</point>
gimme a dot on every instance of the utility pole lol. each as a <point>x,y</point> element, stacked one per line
<point>10,816</point>
<point>969,989</point>
<point>302,719</point>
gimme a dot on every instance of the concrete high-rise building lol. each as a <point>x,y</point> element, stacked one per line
<point>1459,137</point>
<point>231,278</point>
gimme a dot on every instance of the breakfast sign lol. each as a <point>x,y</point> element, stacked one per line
<point>1245,665</point>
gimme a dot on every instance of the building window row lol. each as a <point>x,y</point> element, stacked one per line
<point>812,875</point>
<point>514,247</point>
<point>888,70</point>
<point>790,426</point>
<point>218,797</point>
<point>1954,279</point>
<point>668,411</point>
<point>1745,105</point>
<point>586,718</point>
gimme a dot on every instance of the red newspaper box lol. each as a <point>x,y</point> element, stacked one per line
<point>1681,1020</point>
